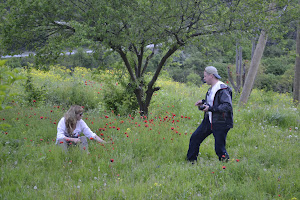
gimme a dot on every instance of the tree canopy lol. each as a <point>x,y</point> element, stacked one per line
<point>135,29</point>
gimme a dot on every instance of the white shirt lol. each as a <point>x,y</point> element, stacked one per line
<point>81,127</point>
<point>211,96</point>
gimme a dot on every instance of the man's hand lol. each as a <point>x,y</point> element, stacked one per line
<point>199,103</point>
<point>206,108</point>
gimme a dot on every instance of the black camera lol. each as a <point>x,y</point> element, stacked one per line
<point>202,107</point>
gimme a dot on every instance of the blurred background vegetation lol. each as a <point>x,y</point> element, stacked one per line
<point>187,65</point>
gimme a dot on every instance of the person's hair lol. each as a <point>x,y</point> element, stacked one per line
<point>71,118</point>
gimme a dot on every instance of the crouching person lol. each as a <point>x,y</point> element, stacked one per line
<point>69,128</point>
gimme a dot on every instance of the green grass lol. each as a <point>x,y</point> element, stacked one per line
<point>150,162</point>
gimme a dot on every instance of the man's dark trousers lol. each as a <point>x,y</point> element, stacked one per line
<point>201,133</point>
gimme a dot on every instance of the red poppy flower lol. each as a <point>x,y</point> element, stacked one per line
<point>111,160</point>
<point>106,116</point>
<point>91,138</point>
<point>237,160</point>
<point>61,142</point>
<point>224,167</point>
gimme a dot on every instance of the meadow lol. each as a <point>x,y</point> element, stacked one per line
<point>145,156</point>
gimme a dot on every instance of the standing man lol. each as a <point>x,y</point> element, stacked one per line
<point>218,116</point>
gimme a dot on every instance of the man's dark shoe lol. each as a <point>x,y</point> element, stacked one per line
<point>224,158</point>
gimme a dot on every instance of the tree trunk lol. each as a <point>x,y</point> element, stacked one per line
<point>253,47</point>
<point>144,97</point>
<point>237,65</point>
<point>231,79</point>
<point>296,92</point>
<point>254,65</point>
<point>239,74</point>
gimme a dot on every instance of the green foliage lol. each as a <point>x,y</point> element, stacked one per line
<point>100,59</point>
<point>278,83</point>
<point>195,79</point>
<point>20,62</point>
<point>178,73</point>
<point>118,96</point>
<point>266,81</point>
<point>278,65</point>
<point>33,94</point>
<point>2,62</point>
<point>120,100</point>
<point>7,79</point>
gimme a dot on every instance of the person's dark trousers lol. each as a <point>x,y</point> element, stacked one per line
<point>200,134</point>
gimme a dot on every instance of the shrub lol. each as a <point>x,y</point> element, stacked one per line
<point>120,99</point>
<point>33,94</point>
<point>277,65</point>
<point>118,95</point>
<point>265,81</point>
<point>195,79</point>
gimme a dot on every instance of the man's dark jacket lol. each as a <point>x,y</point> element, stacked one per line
<point>222,114</point>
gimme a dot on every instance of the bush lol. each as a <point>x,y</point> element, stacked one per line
<point>277,83</point>
<point>33,94</point>
<point>118,95</point>
<point>120,100</point>
<point>195,79</point>
<point>285,82</point>
<point>265,81</point>
<point>179,74</point>
<point>278,65</point>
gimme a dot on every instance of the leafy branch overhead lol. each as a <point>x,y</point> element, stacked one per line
<point>128,27</point>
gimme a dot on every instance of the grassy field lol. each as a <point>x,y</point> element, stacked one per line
<point>146,156</point>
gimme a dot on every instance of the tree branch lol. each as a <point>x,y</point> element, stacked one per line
<point>127,64</point>
<point>161,64</point>
<point>147,60</point>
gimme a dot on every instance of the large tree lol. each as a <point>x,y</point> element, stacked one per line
<point>128,27</point>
